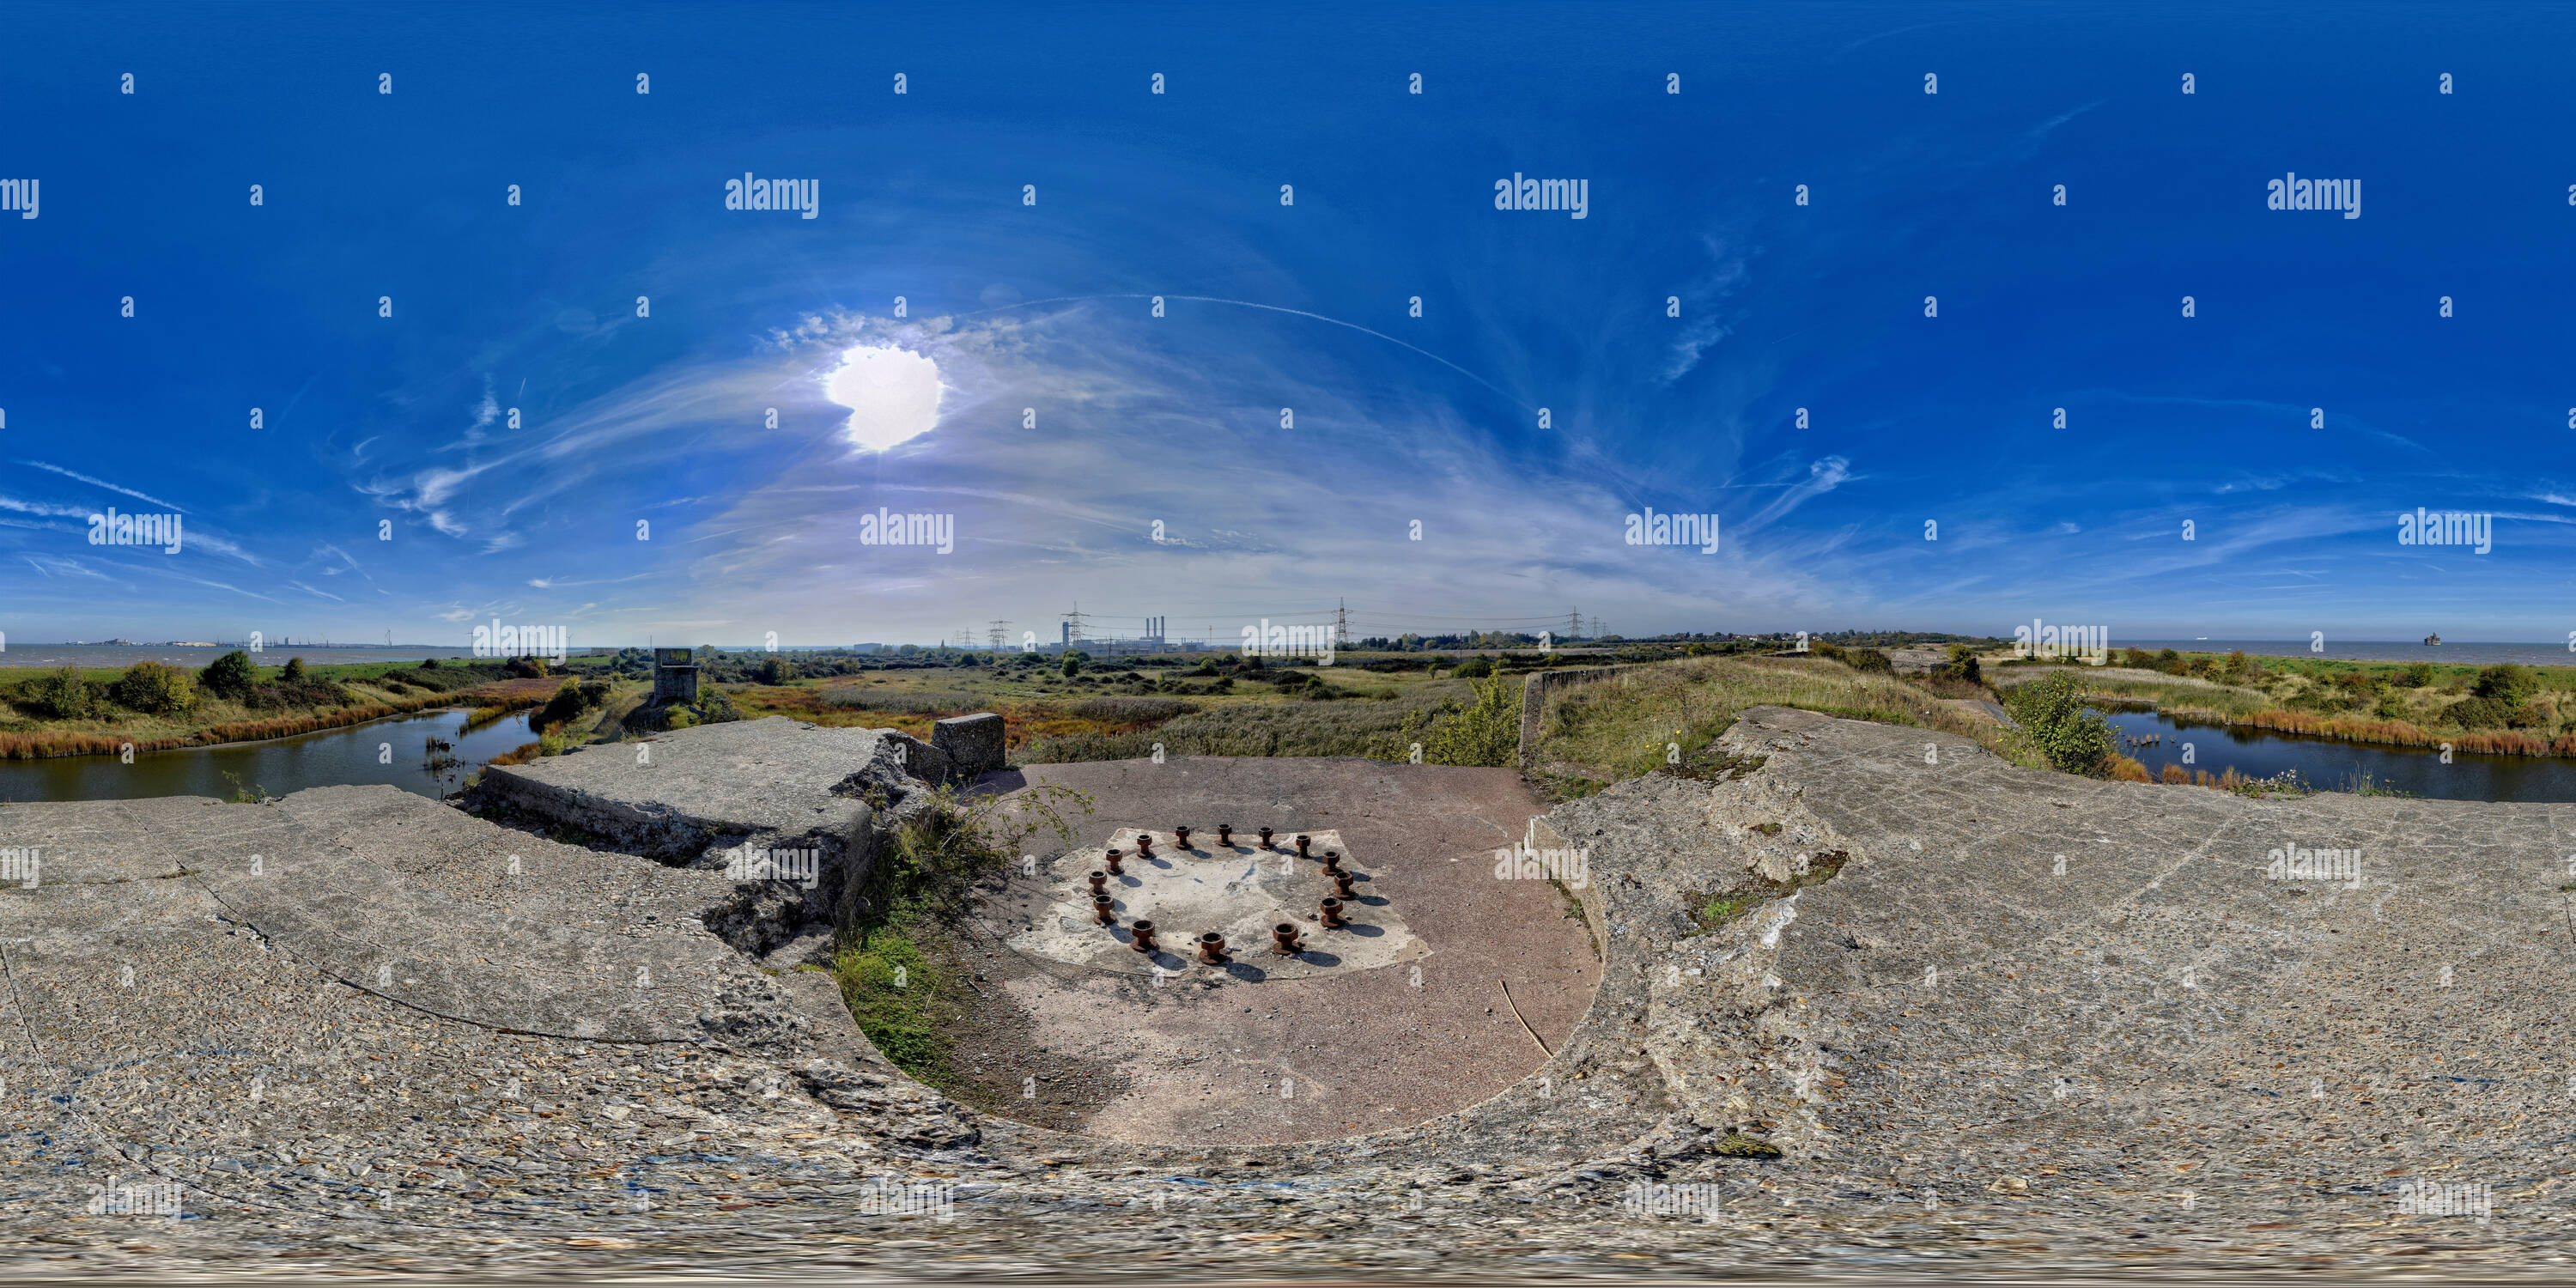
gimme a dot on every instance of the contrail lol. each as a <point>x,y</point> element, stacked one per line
<point>1273,308</point>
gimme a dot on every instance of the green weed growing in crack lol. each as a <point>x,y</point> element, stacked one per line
<point>903,984</point>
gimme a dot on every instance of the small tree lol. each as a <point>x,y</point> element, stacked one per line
<point>154,689</point>
<point>294,671</point>
<point>1072,664</point>
<point>1962,665</point>
<point>773,670</point>
<point>2053,718</point>
<point>61,694</point>
<point>2507,684</point>
<point>231,676</point>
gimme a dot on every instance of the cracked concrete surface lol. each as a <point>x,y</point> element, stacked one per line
<point>2157,1058</point>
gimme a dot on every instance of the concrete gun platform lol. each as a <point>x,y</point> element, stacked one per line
<point>1947,1051</point>
<point>1240,892</point>
<point>1440,994</point>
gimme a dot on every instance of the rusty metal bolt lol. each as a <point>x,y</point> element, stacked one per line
<point>1184,834</point>
<point>1283,939</point>
<point>1144,932</point>
<point>1100,909</point>
<point>1265,838</point>
<point>1144,845</point>
<point>1342,884</point>
<point>1225,834</point>
<point>1332,862</point>
<point>1303,841</point>
<point>1112,864</point>
<point>1212,948</point>
<point>1099,882</point>
<point>1332,914</point>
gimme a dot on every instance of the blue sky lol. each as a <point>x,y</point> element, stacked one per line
<point>663,420</point>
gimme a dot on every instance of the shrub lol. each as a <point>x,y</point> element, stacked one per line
<point>1131,711</point>
<point>429,664</point>
<point>524,668</point>
<point>1869,660</point>
<point>2415,676</point>
<point>231,676</point>
<point>1487,733</point>
<point>2507,684</point>
<point>294,673</point>
<point>569,701</point>
<point>297,693</point>
<point>1963,665</point>
<point>1072,665</point>
<point>154,689</point>
<point>774,671</point>
<point>2053,719</point>
<point>61,695</point>
<point>1474,668</point>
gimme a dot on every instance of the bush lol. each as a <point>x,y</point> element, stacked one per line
<point>2416,676</point>
<point>2507,684</point>
<point>1962,666</point>
<point>569,701</point>
<point>60,695</point>
<point>1487,733</point>
<point>775,671</point>
<point>429,664</point>
<point>297,693</point>
<point>1869,660</point>
<point>231,676</point>
<point>154,689</point>
<point>1474,668</point>
<point>2053,718</point>
<point>1072,665</point>
<point>294,673</point>
<point>524,668</point>
<point>1131,711</point>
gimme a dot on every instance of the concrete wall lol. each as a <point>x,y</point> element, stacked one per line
<point>1534,699</point>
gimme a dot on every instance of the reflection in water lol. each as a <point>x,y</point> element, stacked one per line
<point>2341,766</point>
<point>429,753</point>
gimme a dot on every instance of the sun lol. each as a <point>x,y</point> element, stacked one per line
<point>893,395</point>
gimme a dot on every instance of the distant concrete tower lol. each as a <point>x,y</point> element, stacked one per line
<point>675,675</point>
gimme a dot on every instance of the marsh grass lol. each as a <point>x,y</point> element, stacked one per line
<point>1635,721</point>
<point>1271,727</point>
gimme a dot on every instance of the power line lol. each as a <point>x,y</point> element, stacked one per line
<point>995,630</point>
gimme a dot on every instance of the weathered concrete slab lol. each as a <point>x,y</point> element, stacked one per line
<point>710,796</point>
<point>1971,1058</point>
<point>974,745</point>
<point>282,871</point>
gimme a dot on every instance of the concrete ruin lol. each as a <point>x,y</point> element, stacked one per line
<point>1870,997</point>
